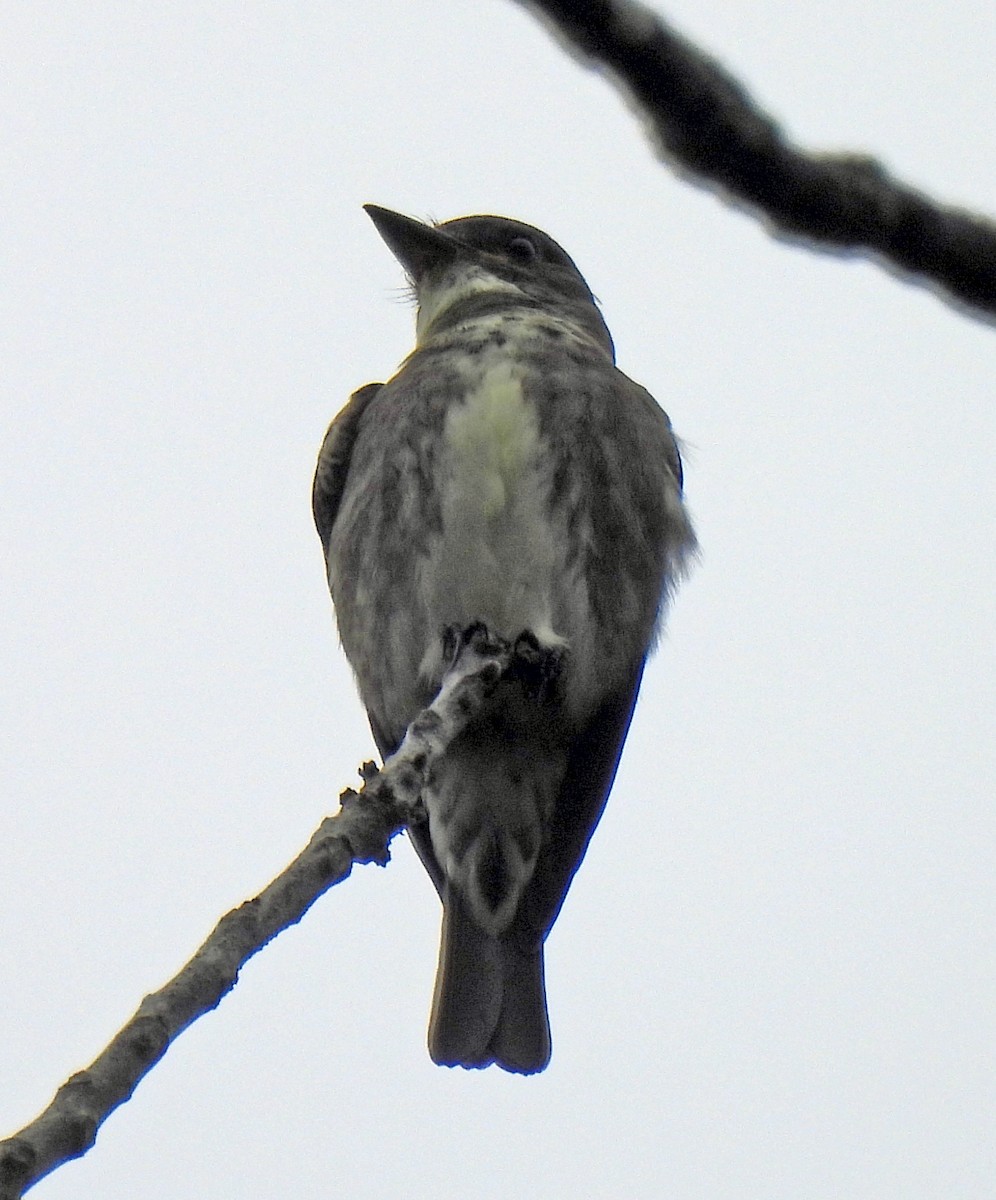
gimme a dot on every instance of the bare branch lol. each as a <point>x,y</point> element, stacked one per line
<point>359,832</point>
<point>708,125</point>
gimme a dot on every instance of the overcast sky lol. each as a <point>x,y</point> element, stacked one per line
<point>775,976</point>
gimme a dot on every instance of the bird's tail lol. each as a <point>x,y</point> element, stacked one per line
<point>489,1004</point>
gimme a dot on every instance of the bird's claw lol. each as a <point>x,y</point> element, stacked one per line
<point>536,666</point>
<point>476,635</point>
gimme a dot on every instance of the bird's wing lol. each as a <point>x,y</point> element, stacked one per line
<point>672,453</point>
<point>326,494</point>
<point>591,768</point>
<point>333,461</point>
<point>418,830</point>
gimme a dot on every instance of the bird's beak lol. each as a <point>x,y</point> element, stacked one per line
<point>418,247</point>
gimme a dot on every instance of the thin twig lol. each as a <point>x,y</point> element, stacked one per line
<point>359,833</point>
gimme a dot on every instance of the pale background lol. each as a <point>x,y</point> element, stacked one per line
<point>775,978</point>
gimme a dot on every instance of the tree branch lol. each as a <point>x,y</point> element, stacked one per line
<point>359,833</point>
<point>707,124</point>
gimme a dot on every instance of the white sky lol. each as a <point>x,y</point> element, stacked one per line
<point>776,974</point>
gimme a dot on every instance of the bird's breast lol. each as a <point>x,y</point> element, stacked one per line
<point>493,447</point>
<point>501,556</point>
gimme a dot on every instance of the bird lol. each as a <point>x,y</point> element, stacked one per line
<point>507,477</point>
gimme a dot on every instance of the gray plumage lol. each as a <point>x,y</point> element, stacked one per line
<point>508,475</point>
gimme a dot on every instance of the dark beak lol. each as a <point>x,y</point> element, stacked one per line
<point>418,247</point>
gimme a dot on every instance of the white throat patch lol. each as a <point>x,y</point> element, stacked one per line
<point>466,280</point>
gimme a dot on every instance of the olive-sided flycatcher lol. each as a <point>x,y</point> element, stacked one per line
<point>507,476</point>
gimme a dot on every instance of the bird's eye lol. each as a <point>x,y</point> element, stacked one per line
<point>522,249</point>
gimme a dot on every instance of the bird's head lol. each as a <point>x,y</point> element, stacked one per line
<point>474,266</point>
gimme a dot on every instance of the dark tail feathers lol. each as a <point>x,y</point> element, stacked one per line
<point>490,1000</point>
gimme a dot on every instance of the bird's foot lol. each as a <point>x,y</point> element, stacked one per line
<point>535,665</point>
<point>538,667</point>
<point>476,635</point>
